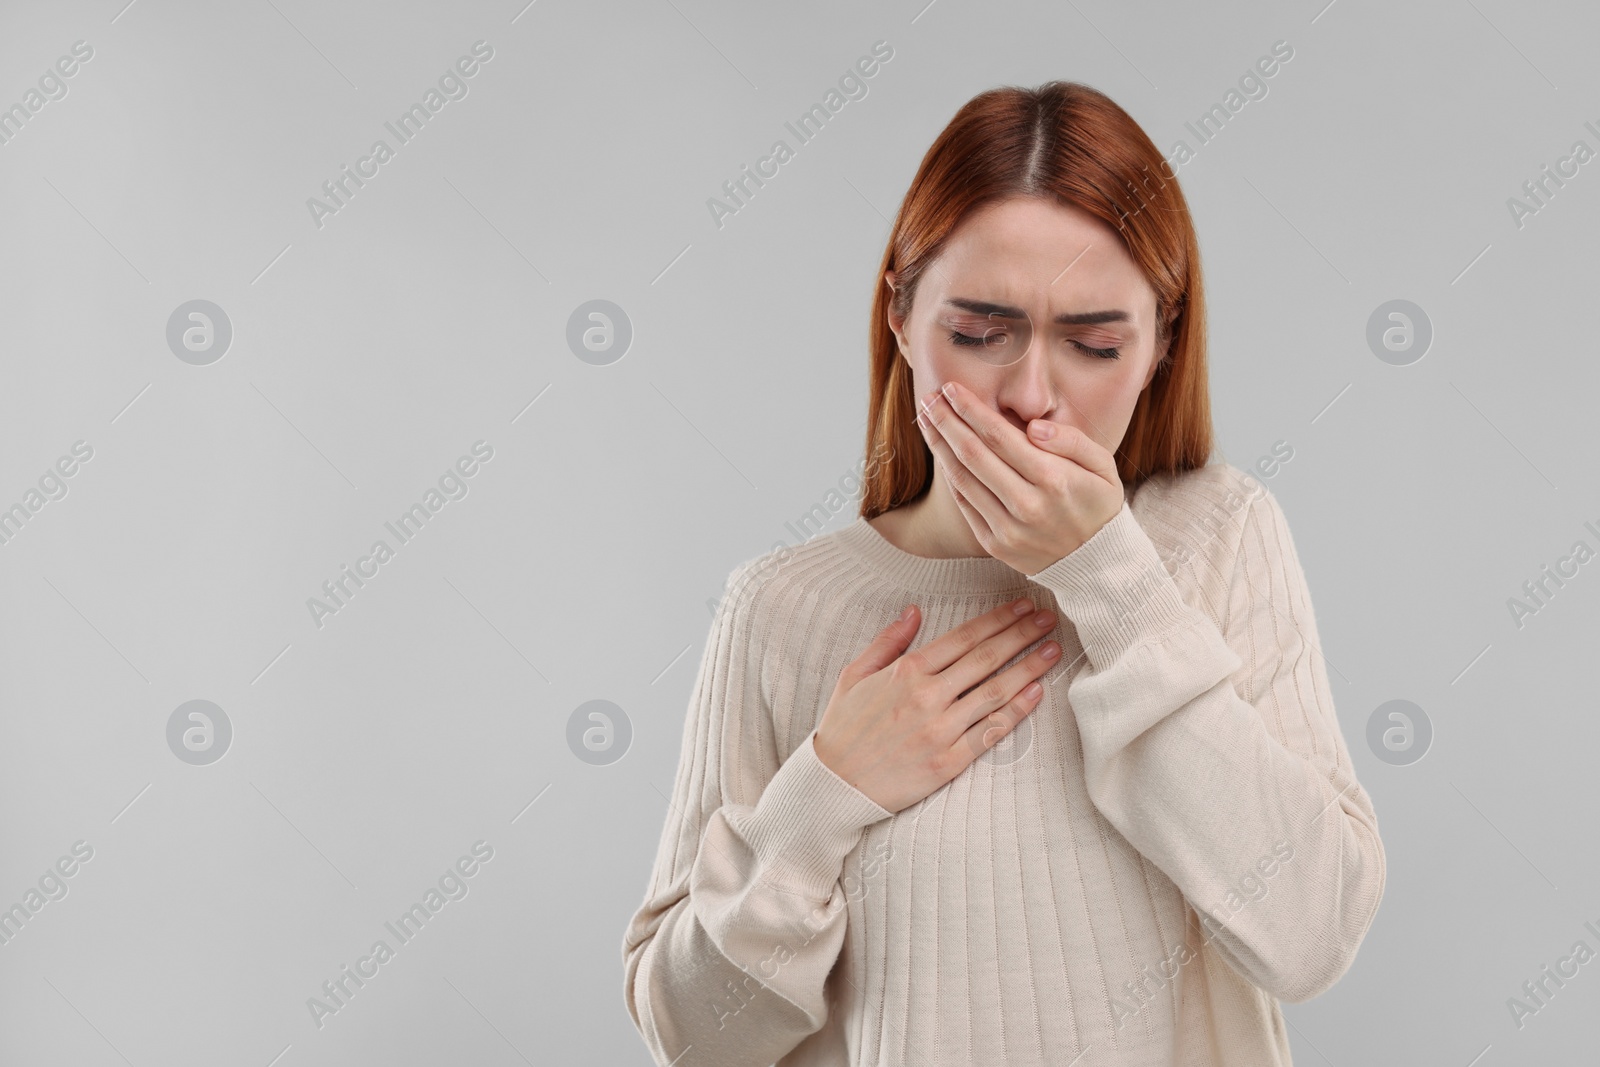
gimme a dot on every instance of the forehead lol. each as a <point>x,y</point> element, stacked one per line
<point>1030,251</point>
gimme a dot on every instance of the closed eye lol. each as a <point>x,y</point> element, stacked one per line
<point>1103,353</point>
<point>987,341</point>
<point>965,339</point>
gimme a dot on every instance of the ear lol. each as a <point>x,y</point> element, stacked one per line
<point>1155,364</point>
<point>897,322</point>
<point>1163,346</point>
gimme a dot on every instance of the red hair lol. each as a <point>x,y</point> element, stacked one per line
<point>1069,144</point>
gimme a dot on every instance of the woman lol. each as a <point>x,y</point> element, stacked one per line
<point>1170,839</point>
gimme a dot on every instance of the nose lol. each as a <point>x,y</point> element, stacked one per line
<point>1026,391</point>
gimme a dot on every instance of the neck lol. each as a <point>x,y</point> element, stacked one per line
<point>935,526</point>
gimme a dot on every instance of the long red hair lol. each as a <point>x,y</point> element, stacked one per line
<point>1071,144</point>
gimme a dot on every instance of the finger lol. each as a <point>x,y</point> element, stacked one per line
<point>978,503</point>
<point>992,728</point>
<point>998,453</point>
<point>1069,442</point>
<point>956,642</point>
<point>999,689</point>
<point>975,519</point>
<point>990,655</point>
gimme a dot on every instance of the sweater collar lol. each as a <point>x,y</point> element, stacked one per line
<point>964,574</point>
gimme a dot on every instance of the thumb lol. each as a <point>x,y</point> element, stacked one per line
<point>890,643</point>
<point>1069,442</point>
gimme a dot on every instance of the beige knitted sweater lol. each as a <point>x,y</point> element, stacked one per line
<point>1171,843</point>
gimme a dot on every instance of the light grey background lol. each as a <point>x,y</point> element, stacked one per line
<point>432,310</point>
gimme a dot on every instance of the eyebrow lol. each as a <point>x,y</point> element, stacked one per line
<point>1067,318</point>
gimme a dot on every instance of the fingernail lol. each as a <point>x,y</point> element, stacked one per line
<point>949,390</point>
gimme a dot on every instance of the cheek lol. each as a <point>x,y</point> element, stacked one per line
<point>1119,388</point>
<point>931,354</point>
<point>1099,404</point>
<point>932,371</point>
<point>1097,390</point>
<point>1129,388</point>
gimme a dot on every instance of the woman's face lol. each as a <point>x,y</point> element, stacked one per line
<point>1054,319</point>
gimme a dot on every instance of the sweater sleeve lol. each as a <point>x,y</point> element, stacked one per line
<point>1218,755</point>
<point>745,912</point>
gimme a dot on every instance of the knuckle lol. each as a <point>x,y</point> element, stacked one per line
<point>995,727</point>
<point>913,690</point>
<point>908,667</point>
<point>972,745</point>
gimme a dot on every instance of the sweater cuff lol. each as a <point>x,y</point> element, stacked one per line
<point>807,821</point>
<point>1115,590</point>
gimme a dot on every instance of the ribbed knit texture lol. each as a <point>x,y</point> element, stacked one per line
<point>1171,843</point>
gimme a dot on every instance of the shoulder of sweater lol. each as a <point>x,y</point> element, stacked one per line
<point>1215,500</point>
<point>1197,520</point>
<point>772,583</point>
<point>763,593</point>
